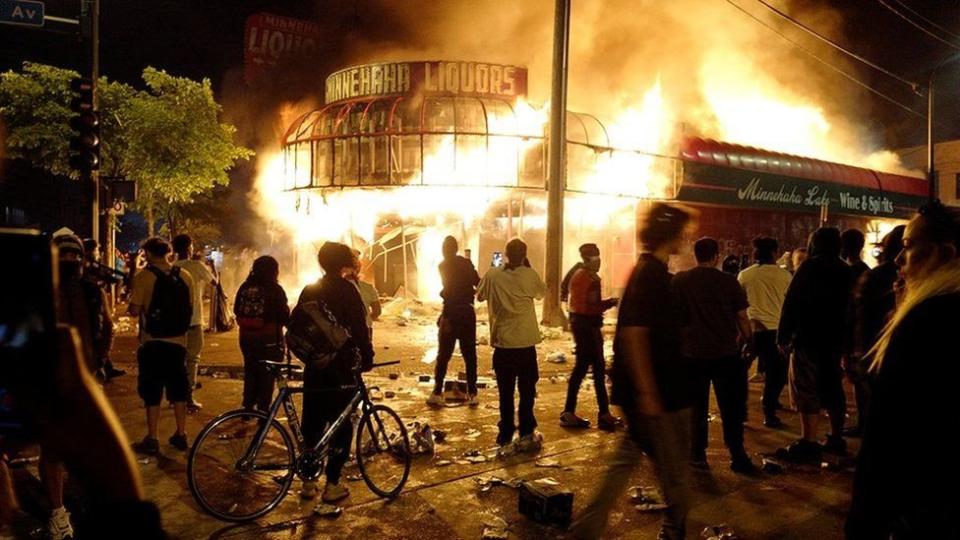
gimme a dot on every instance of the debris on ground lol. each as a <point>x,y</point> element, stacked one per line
<point>144,461</point>
<point>439,435</point>
<point>547,463</point>
<point>376,394</point>
<point>327,510</point>
<point>718,532</point>
<point>353,478</point>
<point>557,357</point>
<point>712,417</point>
<point>472,433</point>
<point>547,481</point>
<point>394,376</point>
<point>424,378</point>
<point>390,394</point>
<point>443,462</point>
<point>546,503</point>
<point>494,527</point>
<point>646,499</point>
<point>421,438</point>
<point>487,482</point>
<point>771,466</point>
<point>547,332</point>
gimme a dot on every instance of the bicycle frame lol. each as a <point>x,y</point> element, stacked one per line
<point>361,398</point>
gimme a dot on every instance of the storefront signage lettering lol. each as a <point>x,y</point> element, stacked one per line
<point>477,79</point>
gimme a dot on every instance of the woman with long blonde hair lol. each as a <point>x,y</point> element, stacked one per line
<point>907,474</point>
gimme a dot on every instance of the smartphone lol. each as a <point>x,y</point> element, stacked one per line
<point>28,317</point>
<point>497,260</point>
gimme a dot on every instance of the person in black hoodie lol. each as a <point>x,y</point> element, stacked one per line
<point>906,477</point>
<point>321,408</point>
<point>813,328</point>
<point>874,301</point>
<point>262,311</point>
<point>458,320</point>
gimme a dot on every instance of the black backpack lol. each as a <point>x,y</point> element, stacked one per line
<point>314,336</point>
<point>170,306</point>
<point>250,307</point>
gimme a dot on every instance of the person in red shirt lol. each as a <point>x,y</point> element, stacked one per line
<point>586,306</point>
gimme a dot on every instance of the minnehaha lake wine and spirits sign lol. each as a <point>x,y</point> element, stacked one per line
<point>730,186</point>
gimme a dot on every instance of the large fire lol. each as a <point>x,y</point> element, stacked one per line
<point>726,91</point>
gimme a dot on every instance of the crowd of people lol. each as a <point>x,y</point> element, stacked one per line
<point>810,324</point>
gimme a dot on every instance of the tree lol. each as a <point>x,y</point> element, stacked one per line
<point>167,137</point>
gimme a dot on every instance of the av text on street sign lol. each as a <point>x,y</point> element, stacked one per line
<point>22,12</point>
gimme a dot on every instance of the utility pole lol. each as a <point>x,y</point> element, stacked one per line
<point>556,177</point>
<point>90,36</point>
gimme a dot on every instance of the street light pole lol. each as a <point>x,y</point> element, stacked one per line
<point>556,177</point>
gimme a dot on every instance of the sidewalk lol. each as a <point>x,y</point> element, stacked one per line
<point>446,501</point>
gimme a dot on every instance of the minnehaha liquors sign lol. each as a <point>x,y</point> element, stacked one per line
<point>744,188</point>
<point>477,79</point>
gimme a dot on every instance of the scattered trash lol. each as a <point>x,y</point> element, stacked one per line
<point>771,466</point>
<point>327,510</point>
<point>718,532</point>
<point>401,322</point>
<point>144,461</point>
<point>646,499</point>
<point>546,503</point>
<point>557,357</point>
<point>551,333</point>
<point>554,379</point>
<point>394,376</point>
<point>547,463</point>
<point>424,378</point>
<point>421,438</point>
<point>353,477</point>
<point>472,433</point>
<point>443,462</point>
<point>711,417</point>
<point>220,375</point>
<point>390,394</point>
<point>477,459</point>
<point>495,528</point>
<point>547,481</point>
<point>483,340</point>
<point>439,435</point>
<point>376,394</point>
<point>487,482</point>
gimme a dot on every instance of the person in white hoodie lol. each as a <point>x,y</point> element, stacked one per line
<point>510,292</point>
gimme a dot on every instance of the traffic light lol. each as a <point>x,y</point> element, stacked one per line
<point>85,143</point>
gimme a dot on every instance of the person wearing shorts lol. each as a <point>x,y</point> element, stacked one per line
<point>161,360</point>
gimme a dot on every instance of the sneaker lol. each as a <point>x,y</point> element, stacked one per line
<point>59,527</point>
<point>309,489</point>
<point>334,492</point>
<point>530,443</point>
<point>178,441</point>
<point>835,445</point>
<point>435,400</point>
<point>772,421</point>
<point>742,465</point>
<point>571,420</point>
<point>473,400</point>
<point>801,450</point>
<point>148,446</point>
<point>757,378</point>
<point>194,406</point>
<point>609,422</point>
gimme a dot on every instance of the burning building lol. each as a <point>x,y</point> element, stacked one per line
<point>404,153</point>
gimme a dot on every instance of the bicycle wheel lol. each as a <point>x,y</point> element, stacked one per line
<point>383,451</point>
<point>229,489</point>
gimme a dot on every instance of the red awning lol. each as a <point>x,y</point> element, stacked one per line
<point>711,152</point>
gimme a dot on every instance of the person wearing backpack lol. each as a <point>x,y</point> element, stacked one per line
<point>262,312</point>
<point>338,299</point>
<point>162,300</point>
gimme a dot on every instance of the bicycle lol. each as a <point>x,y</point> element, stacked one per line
<point>242,463</point>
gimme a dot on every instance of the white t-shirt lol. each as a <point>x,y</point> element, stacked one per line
<point>201,278</point>
<point>509,295</point>
<point>766,287</point>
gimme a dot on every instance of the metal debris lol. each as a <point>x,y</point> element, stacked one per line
<point>327,510</point>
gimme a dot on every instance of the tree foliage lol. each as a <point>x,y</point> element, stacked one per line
<point>167,137</point>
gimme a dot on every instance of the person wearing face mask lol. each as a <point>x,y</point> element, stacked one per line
<point>586,320</point>
<point>83,305</point>
<point>905,481</point>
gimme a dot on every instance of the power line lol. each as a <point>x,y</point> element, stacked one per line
<point>844,74</point>
<point>913,86</point>
<point>926,20</point>
<point>916,25</point>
